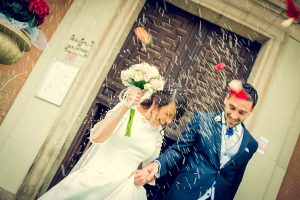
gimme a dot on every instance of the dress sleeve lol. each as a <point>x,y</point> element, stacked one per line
<point>93,133</point>
<point>155,154</point>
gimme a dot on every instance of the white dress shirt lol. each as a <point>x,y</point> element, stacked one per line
<point>229,147</point>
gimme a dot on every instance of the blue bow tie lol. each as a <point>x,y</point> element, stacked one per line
<point>229,132</point>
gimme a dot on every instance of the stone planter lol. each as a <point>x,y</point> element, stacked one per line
<point>12,43</point>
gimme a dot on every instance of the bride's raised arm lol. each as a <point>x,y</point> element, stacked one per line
<point>104,129</point>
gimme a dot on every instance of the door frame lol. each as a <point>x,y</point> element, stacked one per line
<point>261,73</point>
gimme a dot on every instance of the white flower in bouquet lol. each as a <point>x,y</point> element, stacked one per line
<point>147,78</point>
<point>138,76</point>
<point>126,75</point>
<point>148,87</point>
<point>157,84</point>
<point>141,75</point>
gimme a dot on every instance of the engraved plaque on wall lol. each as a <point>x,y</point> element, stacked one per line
<point>57,82</point>
<point>79,46</point>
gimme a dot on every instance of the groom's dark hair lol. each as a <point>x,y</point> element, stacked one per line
<point>252,93</point>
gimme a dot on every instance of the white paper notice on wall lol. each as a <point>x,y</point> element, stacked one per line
<point>57,82</point>
<point>262,145</point>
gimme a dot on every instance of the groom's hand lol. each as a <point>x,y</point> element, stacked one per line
<point>152,169</point>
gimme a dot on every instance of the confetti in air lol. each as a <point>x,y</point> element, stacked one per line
<point>219,66</point>
<point>292,11</point>
<point>236,88</point>
<point>287,22</point>
<point>143,36</point>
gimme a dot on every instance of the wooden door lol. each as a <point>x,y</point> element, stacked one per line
<point>185,48</point>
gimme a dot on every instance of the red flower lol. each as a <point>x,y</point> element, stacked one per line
<point>219,66</point>
<point>40,8</point>
<point>291,9</point>
<point>32,12</point>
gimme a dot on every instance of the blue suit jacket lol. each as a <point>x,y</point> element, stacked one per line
<point>199,147</point>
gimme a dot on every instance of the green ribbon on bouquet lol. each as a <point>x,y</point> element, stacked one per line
<point>129,123</point>
<point>134,84</point>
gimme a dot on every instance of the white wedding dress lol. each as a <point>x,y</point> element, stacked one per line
<point>103,171</point>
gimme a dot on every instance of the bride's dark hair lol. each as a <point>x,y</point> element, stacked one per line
<point>166,96</point>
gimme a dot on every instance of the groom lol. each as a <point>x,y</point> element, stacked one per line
<point>215,149</point>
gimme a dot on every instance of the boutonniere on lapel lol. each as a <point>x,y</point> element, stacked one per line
<point>218,118</point>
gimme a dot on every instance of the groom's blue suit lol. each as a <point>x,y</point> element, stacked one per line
<point>199,148</point>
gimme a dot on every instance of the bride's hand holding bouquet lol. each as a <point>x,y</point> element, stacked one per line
<point>139,77</point>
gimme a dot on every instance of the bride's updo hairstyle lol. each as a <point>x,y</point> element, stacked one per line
<point>166,96</point>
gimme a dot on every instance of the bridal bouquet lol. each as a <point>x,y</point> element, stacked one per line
<point>145,77</point>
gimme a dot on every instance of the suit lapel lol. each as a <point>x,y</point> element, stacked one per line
<point>244,143</point>
<point>217,134</point>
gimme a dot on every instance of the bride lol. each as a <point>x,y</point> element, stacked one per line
<point>108,170</point>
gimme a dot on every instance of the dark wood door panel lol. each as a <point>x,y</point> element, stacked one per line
<point>204,84</point>
<point>170,29</point>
